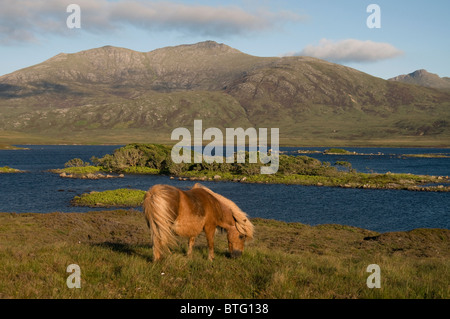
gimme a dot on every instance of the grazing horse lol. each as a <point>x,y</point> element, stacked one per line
<point>170,211</point>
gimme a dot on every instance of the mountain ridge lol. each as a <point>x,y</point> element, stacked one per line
<point>424,78</point>
<point>155,67</point>
<point>103,94</point>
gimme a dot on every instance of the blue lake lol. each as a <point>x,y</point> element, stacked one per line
<point>39,191</point>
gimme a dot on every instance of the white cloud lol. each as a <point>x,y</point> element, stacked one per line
<point>351,50</point>
<point>29,20</point>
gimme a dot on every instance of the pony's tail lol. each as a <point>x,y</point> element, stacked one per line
<point>243,223</point>
<point>160,211</point>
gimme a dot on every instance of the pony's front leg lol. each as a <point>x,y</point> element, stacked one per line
<point>210,231</point>
<point>190,245</point>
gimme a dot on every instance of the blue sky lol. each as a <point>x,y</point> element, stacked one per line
<point>414,34</point>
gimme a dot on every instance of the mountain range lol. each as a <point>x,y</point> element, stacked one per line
<point>117,95</point>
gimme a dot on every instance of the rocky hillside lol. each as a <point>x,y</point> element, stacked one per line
<point>118,95</point>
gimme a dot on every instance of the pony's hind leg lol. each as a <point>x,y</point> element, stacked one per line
<point>190,245</point>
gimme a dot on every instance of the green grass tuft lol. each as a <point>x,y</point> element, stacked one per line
<point>7,169</point>
<point>123,197</point>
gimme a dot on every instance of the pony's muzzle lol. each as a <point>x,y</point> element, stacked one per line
<point>236,253</point>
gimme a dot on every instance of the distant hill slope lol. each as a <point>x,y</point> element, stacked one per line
<point>424,78</point>
<point>117,95</point>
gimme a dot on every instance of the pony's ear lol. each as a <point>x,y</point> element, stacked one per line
<point>198,185</point>
<point>245,227</point>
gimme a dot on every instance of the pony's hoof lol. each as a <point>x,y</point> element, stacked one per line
<point>236,253</point>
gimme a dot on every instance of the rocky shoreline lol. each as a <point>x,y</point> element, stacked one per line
<point>439,181</point>
<point>90,176</point>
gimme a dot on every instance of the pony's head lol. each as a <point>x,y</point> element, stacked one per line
<point>236,242</point>
<point>239,233</point>
<point>240,228</point>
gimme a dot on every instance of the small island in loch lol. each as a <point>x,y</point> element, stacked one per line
<point>301,170</point>
<point>7,169</point>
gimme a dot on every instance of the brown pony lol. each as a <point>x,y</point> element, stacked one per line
<point>170,211</point>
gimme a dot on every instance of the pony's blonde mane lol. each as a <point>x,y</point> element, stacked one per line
<point>243,224</point>
<point>160,213</point>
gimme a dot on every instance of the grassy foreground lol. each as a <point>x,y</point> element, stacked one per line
<point>285,260</point>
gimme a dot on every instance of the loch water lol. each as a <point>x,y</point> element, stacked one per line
<point>40,191</point>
